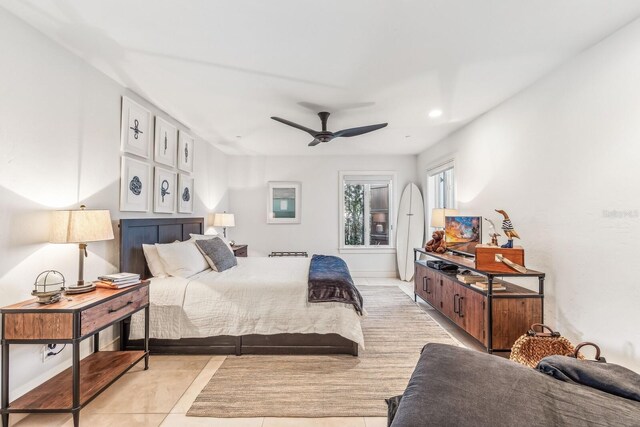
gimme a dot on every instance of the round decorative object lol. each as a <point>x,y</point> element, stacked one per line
<point>80,289</point>
<point>48,286</point>
<point>135,186</point>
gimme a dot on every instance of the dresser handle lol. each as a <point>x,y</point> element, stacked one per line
<point>454,304</point>
<point>460,307</point>
<point>427,287</point>
<point>113,310</point>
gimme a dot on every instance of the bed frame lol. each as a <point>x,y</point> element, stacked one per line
<point>135,232</point>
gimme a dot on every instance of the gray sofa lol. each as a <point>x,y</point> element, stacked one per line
<point>453,386</point>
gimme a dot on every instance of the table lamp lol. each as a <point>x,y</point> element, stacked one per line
<point>81,226</point>
<point>224,220</point>
<point>379,219</point>
<point>438,215</point>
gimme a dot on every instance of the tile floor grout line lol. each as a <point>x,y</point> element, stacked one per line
<point>194,380</point>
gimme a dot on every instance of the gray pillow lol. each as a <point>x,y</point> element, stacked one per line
<point>217,254</point>
<point>608,377</point>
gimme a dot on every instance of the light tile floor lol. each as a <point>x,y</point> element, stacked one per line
<point>162,395</point>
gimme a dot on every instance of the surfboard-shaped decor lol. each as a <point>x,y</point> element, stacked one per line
<point>409,230</point>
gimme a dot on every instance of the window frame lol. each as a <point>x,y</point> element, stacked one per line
<point>432,193</point>
<point>391,247</point>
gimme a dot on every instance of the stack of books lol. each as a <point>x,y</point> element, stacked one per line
<point>470,278</point>
<point>117,280</point>
<point>484,286</point>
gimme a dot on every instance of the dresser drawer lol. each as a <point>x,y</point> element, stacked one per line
<point>103,314</point>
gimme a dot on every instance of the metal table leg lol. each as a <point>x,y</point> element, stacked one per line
<point>76,383</point>
<point>146,338</point>
<point>5,383</point>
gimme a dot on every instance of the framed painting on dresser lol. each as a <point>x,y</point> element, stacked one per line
<point>186,145</point>
<point>164,191</point>
<point>135,185</point>
<point>166,142</point>
<point>135,129</point>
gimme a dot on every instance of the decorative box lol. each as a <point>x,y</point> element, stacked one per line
<point>486,258</point>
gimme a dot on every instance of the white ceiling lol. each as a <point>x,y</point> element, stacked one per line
<point>224,67</point>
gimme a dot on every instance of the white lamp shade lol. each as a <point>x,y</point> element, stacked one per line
<point>438,215</point>
<point>224,220</point>
<point>80,226</point>
<point>379,217</point>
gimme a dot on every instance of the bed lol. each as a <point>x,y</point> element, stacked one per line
<point>257,307</point>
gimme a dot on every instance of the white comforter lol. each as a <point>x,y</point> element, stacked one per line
<point>259,296</point>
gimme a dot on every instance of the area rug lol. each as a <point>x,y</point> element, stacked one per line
<point>395,330</point>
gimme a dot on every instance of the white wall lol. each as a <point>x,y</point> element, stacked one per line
<point>318,232</point>
<point>59,147</point>
<point>559,158</point>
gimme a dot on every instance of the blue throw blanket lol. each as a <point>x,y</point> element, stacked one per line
<point>330,281</point>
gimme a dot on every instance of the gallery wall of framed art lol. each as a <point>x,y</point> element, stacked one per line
<point>156,163</point>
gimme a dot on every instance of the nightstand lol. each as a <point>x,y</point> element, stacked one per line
<point>69,321</point>
<point>240,250</point>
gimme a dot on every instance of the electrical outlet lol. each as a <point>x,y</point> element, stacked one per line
<point>46,350</point>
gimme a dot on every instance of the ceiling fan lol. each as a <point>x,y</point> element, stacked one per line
<point>324,135</point>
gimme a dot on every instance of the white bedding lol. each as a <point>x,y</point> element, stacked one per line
<point>259,296</point>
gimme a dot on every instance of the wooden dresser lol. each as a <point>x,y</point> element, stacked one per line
<point>69,321</point>
<point>494,318</point>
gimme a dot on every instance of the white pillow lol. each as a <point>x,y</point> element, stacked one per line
<point>201,236</point>
<point>182,259</point>
<point>154,262</point>
<point>209,236</point>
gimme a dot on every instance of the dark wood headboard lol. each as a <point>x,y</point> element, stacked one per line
<point>135,232</point>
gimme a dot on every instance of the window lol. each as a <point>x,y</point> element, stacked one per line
<point>440,188</point>
<point>366,210</point>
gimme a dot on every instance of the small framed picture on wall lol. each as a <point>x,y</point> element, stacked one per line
<point>135,185</point>
<point>185,193</point>
<point>135,132</point>
<point>164,191</point>
<point>186,145</point>
<point>166,142</point>
<point>283,202</point>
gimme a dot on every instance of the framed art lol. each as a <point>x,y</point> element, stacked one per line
<point>135,185</point>
<point>135,132</point>
<point>283,202</point>
<point>185,193</point>
<point>186,145</point>
<point>164,191</point>
<point>166,142</point>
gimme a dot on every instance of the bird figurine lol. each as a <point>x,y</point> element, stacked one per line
<point>492,232</point>
<point>508,229</point>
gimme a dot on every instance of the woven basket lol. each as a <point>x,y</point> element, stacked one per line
<point>533,346</point>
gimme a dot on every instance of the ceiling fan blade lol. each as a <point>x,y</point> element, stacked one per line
<point>359,130</point>
<point>314,143</point>
<point>297,126</point>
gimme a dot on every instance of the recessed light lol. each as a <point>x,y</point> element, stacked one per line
<point>434,114</point>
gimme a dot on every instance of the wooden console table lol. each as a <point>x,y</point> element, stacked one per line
<point>69,321</point>
<point>495,318</point>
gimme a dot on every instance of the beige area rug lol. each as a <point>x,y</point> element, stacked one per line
<point>395,331</point>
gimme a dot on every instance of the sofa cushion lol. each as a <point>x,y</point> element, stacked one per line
<point>453,386</point>
<point>608,377</point>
